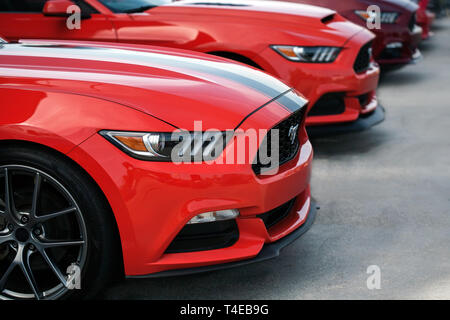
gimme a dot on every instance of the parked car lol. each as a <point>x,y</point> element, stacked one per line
<point>312,49</point>
<point>425,18</point>
<point>88,178</point>
<point>398,38</point>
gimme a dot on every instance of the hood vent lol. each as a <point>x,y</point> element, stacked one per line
<point>327,19</point>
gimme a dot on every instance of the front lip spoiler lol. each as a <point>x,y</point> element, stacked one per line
<point>269,251</point>
<point>363,123</point>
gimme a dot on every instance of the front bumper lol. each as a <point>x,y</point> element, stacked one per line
<point>316,81</point>
<point>363,123</point>
<point>406,54</point>
<point>269,251</point>
<point>153,201</point>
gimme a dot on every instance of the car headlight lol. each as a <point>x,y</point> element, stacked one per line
<point>385,17</point>
<point>178,146</point>
<point>308,54</point>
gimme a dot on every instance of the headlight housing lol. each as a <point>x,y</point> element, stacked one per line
<point>177,146</point>
<point>308,54</point>
<point>386,17</point>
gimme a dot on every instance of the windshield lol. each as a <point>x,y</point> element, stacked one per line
<point>130,6</point>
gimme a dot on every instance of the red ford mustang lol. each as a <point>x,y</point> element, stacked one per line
<point>312,49</point>
<point>398,38</point>
<point>89,174</point>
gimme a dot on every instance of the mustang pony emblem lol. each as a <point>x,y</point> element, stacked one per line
<point>293,133</point>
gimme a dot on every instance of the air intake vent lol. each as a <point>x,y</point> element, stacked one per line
<point>329,104</point>
<point>328,19</point>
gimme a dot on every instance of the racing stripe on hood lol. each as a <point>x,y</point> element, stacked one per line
<point>292,101</point>
<point>257,80</point>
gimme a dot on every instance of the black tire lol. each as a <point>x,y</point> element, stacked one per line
<point>103,256</point>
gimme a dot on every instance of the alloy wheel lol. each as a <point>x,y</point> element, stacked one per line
<point>42,234</point>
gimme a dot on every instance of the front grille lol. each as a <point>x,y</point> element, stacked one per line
<point>273,217</point>
<point>287,147</point>
<point>205,236</point>
<point>362,61</point>
<point>329,104</point>
<point>412,22</point>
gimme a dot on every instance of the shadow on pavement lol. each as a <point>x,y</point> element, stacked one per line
<point>349,144</point>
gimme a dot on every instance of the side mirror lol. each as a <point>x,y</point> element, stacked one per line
<point>58,8</point>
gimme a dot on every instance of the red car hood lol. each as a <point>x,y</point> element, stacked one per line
<point>176,86</point>
<point>311,23</point>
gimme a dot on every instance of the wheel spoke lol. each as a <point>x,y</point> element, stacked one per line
<point>26,269</point>
<point>36,193</point>
<point>53,266</point>
<point>5,276</point>
<point>24,194</point>
<point>62,243</point>
<point>10,208</point>
<point>5,237</point>
<point>55,214</point>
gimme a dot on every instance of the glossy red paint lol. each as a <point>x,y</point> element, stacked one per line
<point>69,91</point>
<point>216,28</point>
<point>425,18</point>
<point>56,8</point>
<point>402,31</point>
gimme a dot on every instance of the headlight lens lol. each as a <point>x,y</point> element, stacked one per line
<point>386,17</point>
<point>308,54</point>
<point>175,146</point>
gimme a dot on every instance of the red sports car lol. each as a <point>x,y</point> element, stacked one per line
<point>425,18</point>
<point>117,156</point>
<point>312,49</point>
<point>397,40</point>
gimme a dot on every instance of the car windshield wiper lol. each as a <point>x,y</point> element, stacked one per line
<point>140,9</point>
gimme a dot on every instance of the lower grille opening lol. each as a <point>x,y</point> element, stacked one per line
<point>274,216</point>
<point>205,236</point>
<point>364,99</point>
<point>391,53</point>
<point>329,104</point>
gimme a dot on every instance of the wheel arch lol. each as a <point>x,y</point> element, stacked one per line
<point>236,57</point>
<point>31,145</point>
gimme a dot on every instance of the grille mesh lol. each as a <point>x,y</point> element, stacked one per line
<point>362,61</point>
<point>287,149</point>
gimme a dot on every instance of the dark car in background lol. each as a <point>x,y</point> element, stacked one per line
<point>397,39</point>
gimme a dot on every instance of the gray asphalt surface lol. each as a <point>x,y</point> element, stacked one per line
<point>385,201</point>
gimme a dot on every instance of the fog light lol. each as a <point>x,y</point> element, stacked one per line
<point>394,45</point>
<point>215,216</point>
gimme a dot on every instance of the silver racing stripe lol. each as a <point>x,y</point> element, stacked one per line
<point>254,79</point>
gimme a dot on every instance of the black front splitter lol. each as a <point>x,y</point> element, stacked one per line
<point>364,122</point>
